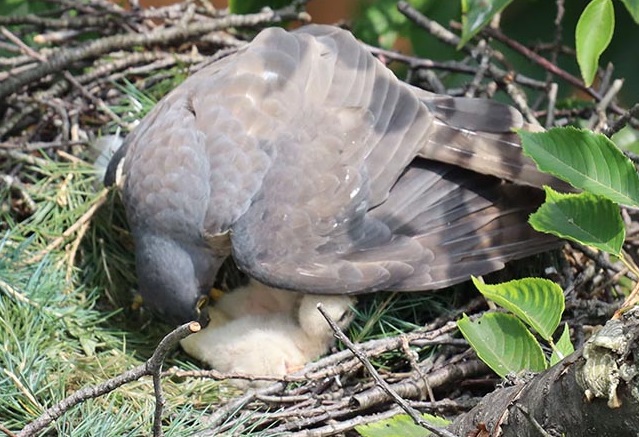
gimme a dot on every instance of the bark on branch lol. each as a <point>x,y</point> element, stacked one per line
<point>592,392</point>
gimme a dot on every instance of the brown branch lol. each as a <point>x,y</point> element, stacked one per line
<point>152,366</point>
<point>78,22</point>
<point>414,414</point>
<point>6,431</point>
<point>450,38</point>
<point>623,120</point>
<point>63,58</point>
<point>541,61</point>
<point>588,393</point>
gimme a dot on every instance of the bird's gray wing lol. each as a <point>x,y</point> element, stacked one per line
<point>355,144</point>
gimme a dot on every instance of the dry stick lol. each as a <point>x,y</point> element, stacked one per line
<point>7,431</point>
<point>540,60</point>
<point>338,428</point>
<point>39,145</point>
<point>484,62</point>
<point>414,414</point>
<point>599,119</point>
<point>547,65</point>
<point>12,182</point>
<point>24,157</point>
<point>77,22</point>
<point>65,57</point>
<point>599,259</point>
<point>77,225</point>
<point>623,120</point>
<point>605,79</point>
<point>556,44</point>
<point>552,101</point>
<point>413,387</point>
<point>68,76</point>
<point>217,419</point>
<point>415,63</point>
<point>153,366</point>
<point>450,38</point>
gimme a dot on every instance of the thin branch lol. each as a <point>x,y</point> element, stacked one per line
<point>552,102</point>
<point>414,414</point>
<point>541,61</point>
<point>72,229</point>
<point>152,366</point>
<point>64,57</point>
<point>623,120</point>
<point>598,120</point>
<point>450,38</point>
<point>7,431</point>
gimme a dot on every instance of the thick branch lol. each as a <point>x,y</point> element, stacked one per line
<point>592,392</point>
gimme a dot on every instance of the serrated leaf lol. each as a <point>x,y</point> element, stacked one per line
<point>503,342</point>
<point>627,139</point>
<point>593,34</point>
<point>400,425</point>
<point>586,160</point>
<point>585,218</point>
<point>563,347</point>
<point>538,302</point>
<point>633,8</point>
<point>476,14</point>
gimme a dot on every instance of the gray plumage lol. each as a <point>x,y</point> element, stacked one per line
<point>309,162</point>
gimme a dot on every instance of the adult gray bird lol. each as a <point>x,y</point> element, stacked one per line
<point>309,162</point>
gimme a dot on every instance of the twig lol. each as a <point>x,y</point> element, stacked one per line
<point>14,183</point>
<point>552,101</point>
<point>541,61</point>
<point>6,431</point>
<point>599,119</point>
<point>222,413</point>
<point>450,38</point>
<point>23,157</point>
<point>600,260</point>
<point>623,120</point>
<point>484,62</point>
<point>414,414</point>
<point>25,390</point>
<point>556,44</point>
<point>519,97</point>
<point>73,228</point>
<point>40,145</point>
<point>338,428</point>
<point>152,366</point>
<point>63,58</point>
<point>68,76</point>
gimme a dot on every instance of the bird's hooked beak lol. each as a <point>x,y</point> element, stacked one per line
<point>202,312</point>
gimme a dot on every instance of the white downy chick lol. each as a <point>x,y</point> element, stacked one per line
<point>266,331</point>
<point>257,299</point>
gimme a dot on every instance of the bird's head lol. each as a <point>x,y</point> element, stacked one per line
<point>174,278</point>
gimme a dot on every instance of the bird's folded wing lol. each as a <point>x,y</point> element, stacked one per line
<point>440,225</point>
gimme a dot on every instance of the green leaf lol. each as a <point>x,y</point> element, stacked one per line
<point>563,348</point>
<point>252,6</point>
<point>400,425</point>
<point>593,34</point>
<point>538,302</point>
<point>633,8</point>
<point>585,218</point>
<point>627,139</point>
<point>476,14</point>
<point>503,342</point>
<point>586,160</point>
